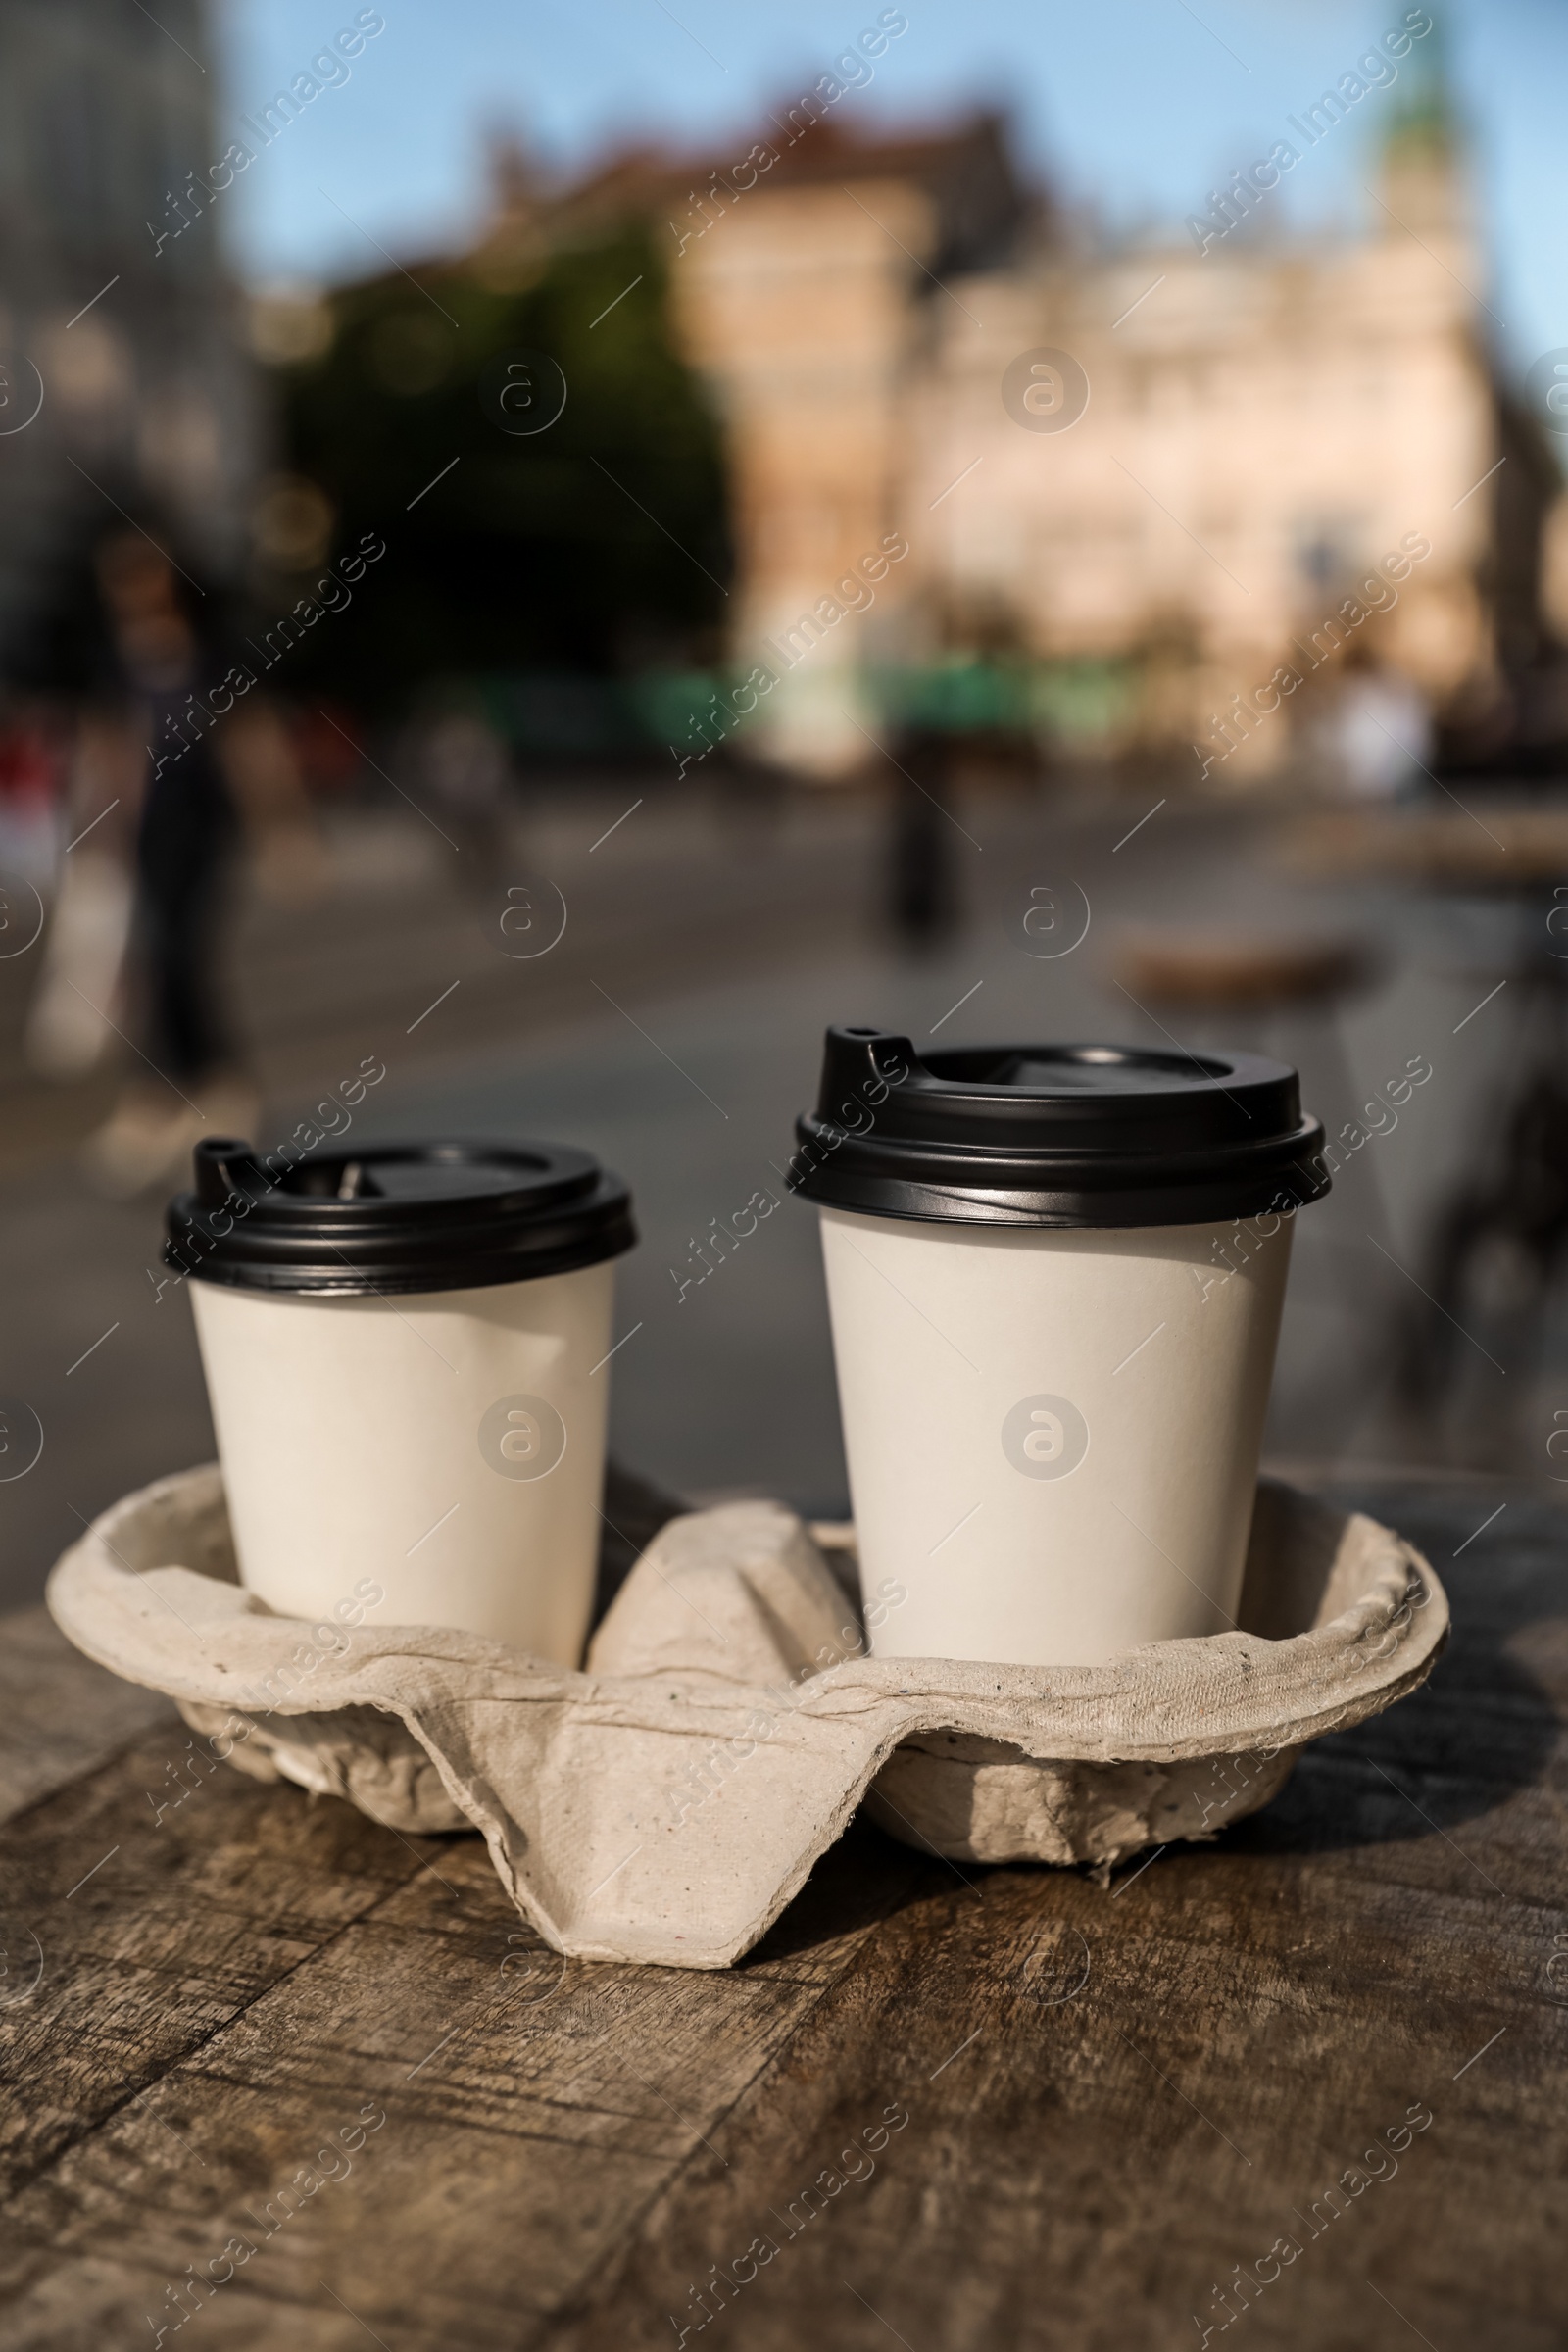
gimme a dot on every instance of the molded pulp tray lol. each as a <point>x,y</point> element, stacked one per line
<point>664,1804</point>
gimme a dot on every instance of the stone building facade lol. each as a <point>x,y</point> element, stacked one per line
<point>1150,477</point>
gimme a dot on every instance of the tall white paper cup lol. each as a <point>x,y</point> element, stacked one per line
<point>1055,1276</point>
<point>1052,1438</point>
<point>407,1355</point>
<point>446,1447</point>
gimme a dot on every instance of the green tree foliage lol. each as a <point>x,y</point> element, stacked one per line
<point>592,546</point>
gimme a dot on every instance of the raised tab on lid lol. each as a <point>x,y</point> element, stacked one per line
<point>1055,1134</point>
<point>395,1217</point>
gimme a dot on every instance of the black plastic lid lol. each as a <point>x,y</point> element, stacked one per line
<point>1054,1135</point>
<point>396,1217</point>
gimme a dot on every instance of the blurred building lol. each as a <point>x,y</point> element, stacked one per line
<point>799,286</point>
<point>123,381</point>
<point>1151,475</point>
<point>815,307</point>
<point>1265,424</point>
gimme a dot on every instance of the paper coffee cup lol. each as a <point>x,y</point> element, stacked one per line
<point>406,1354</point>
<point>1056,1275</point>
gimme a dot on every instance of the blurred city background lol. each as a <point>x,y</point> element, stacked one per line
<point>550,561</point>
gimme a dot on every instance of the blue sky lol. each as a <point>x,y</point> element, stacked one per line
<point>1135,108</point>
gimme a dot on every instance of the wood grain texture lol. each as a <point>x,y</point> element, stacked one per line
<point>61,1715</point>
<point>946,2106</point>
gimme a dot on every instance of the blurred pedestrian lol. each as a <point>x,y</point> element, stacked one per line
<point>166,760</point>
<point>1377,731</point>
<point>31,782</point>
<point>466,771</point>
<point>921,881</point>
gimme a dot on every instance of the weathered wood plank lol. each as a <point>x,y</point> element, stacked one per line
<point>533,2109</point>
<point>60,1714</point>
<point>153,1932</point>
<point>1084,2173</point>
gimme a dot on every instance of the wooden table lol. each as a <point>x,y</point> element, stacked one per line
<point>943,2108</point>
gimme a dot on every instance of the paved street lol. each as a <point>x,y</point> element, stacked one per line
<point>675,1028</point>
